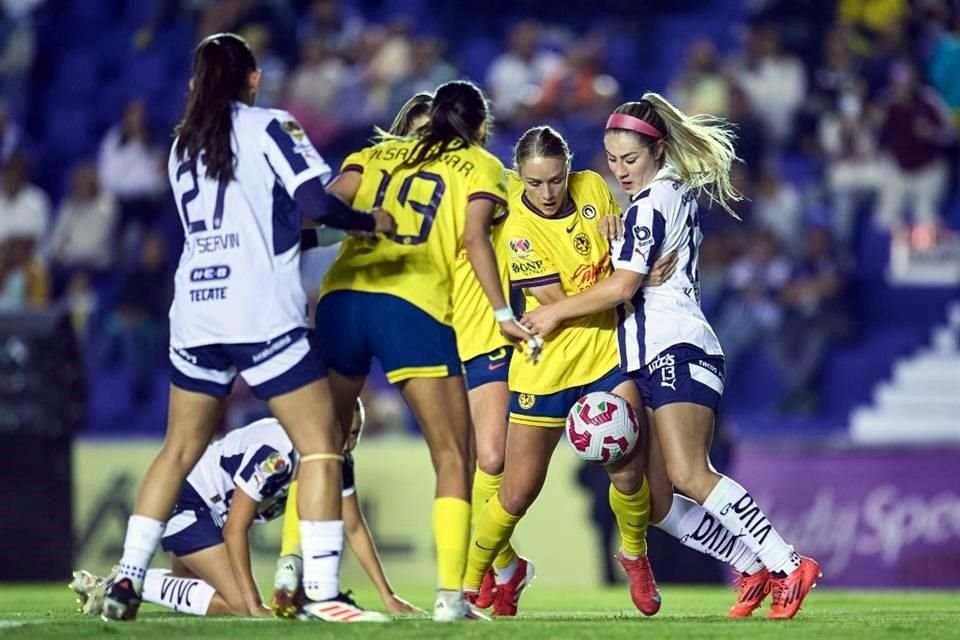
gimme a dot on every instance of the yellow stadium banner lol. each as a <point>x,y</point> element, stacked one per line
<point>395,484</point>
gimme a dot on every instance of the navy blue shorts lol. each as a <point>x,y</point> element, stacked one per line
<point>488,367</point>
<point>551,410</point>
<point>192,527</point>
<point>271,368</point>
<point>682,373</point>
<point>354,327</point>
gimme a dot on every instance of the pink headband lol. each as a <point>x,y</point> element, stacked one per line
<point>623,121</point>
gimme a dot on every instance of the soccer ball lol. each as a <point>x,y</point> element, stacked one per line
<point>602,428</point>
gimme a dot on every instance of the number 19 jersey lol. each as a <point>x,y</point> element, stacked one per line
<point>429,203</point>
<point>238,280</point>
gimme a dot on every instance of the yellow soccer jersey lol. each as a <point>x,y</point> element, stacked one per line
<point>429,203</point>
<point>477,330</point>
<point>566,249</point>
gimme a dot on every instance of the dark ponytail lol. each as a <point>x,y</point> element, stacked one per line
<point>222,66</point>
<point>459,109</point>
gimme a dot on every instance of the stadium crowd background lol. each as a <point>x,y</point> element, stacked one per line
<point>824,95</point>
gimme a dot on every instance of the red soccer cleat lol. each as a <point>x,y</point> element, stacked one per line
<point>789,592</point>
<point>643,586</point>
<point>488,591</point>
<point>751,590</point>
<point>507,595</point>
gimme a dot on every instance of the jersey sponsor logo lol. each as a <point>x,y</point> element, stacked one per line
<point>533,266</point>
<point>642,234</point>
<point>581,243</point>
<point>218,242</point>
<point>211,273</point>
<point>204,295</point>
<point>520,246</point>
<point>589,212</point>
<point>587,275</point>
<point>573,225</point>
<point>526,400</point>
<point>176,591</point>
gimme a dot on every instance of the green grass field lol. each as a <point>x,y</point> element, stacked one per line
<point>46,611</point>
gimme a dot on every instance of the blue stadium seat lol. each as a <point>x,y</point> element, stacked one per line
<point>78,74</point>
<point>476,54</point>
<point>70,128</point>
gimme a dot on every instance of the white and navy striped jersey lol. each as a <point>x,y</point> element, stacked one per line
<point>257,459</point>
<point>238,280</point>
<point>662,218</point>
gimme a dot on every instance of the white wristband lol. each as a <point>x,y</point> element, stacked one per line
<point>503,315</point>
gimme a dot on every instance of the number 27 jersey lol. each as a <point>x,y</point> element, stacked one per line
<point>238,279</point>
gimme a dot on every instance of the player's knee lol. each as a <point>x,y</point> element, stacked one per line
<point>450,458</point>
<point>182,453</point>
<point>490,461</point>
<point>516,501</point>
<point>687,476</point>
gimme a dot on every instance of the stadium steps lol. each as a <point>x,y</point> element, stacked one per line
<point>921,404</point>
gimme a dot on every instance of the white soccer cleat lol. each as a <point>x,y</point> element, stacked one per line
<point>89,590</point>
<point>452,607</point>
<point>287,595</point>
<point>339,609</point>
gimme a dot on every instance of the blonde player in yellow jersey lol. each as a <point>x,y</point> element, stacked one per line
<point>556,249</point>
<point>391,298</point>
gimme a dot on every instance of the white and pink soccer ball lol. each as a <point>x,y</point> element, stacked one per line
<point>602,428</point>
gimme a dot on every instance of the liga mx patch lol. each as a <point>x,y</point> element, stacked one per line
<point>294,130</point>
<point>273,464</point>
<point>526,400</point>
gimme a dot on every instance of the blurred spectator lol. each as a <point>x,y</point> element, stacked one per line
<point>132,168</point>
<point>852,167</point>
<point>701,88</point>
<point>777,207</point>
<point>24,207</point>
<point>391,62</point>
<point>314,88</point>
<point>17,50</point>
<point>273,82</point>
<point>836,75</point>
<point>752,141</point>
<point>10,136</point>
<point>83,236</point>
<point>129,164</point>
<point>816,316</point>
<point>944,67</point>
<point>336,26</point>
<point>24,283</point>
<point>871,20</point>
<point>576,86</point>
<point>134,332</point>
<point>752,310</point>
<point>429,71</point>
<point>81,302</point>
<point>775,82</point>
<point>914,129</point>
<point>515,77</point>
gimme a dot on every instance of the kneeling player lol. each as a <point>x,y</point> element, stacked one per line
<point>246,476</point>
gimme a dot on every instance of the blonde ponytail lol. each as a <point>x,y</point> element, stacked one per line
<point>699,147</point>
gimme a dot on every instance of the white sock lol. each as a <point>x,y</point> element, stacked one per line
<point>322,545</point>
<point>700,530</point>
<point>506,574</point>
<point>186,595</point>
<point>143,536</point>
<point>736,509</point>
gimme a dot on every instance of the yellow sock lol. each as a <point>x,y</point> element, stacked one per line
<point>633,515</point>
<point>485,486</point>
<point>290,541</point>
<point>451,531</point>
<point>491,531</point>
